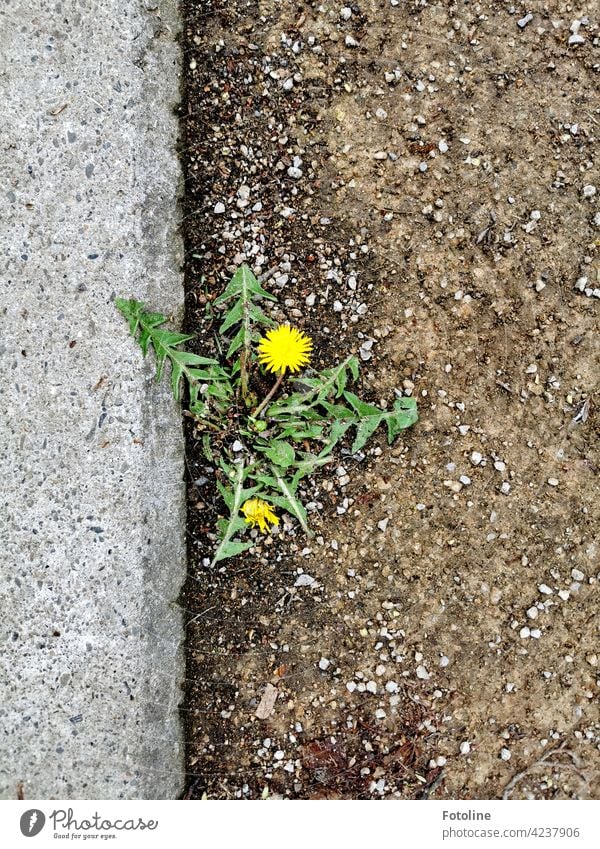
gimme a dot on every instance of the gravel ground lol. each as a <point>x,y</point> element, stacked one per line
<point>419,184</point>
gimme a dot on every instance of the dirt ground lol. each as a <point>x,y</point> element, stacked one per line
<point>417,182</point>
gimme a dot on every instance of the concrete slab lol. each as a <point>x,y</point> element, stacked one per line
<point>91,452</point>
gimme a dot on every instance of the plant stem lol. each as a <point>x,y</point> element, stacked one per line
<point>268,397</point>
<point>244,374</point>
<point>238,486</point>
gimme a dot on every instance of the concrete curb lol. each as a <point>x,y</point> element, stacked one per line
<point>93,552</point>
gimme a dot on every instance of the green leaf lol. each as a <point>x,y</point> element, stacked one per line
<point>403,415</point>
<point>236,343</point>
<point>361,407</point>
<point>292,503</point>
<point>338,430</point>
<point>207,449</point>
<point>131,311</point>
<point>184,364</point>
<point>306,467</point>
<point>280,453</point>
<point>234,316</point>
<point>226,494</point>
<point>265,480</point>
<point>180,360</point>
<point>245,288</point>
<point>248,493</point>
<point>326,384</point>
<point>341,383</point>
<point>282,493</point>
<point>364,430</point>
<point>231,548</point>
<point>170,339</point>
<point>259,317</point>
<point>292,406</point>
<point>299,432</point>
<point>242,282</point>
<point>338,411</point>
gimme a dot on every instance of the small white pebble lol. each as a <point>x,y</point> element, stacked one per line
<point>545,589</point>
<point>465,747</point>
<point>524,633</point>
<point>304,580</point>
<point>324,663</point>
<point>422,673</point>
<point>476,458</point>
<point>564,594</point>
<point>552,481</point>
<point>577,575</point>
<point>505,754</point>
<point>522,22</point>
<point>536,633</point>
<point>219,208</point>
<point>532,613</point>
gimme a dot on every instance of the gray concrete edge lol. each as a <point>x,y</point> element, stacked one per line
<point>92,560</point>
<point>162,613</point>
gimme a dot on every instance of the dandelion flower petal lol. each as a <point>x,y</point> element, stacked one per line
<point>259,512</point>
<point>284,348</point>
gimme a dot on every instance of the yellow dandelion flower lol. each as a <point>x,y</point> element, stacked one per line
<point>258,512</point>
<point>285,348</point>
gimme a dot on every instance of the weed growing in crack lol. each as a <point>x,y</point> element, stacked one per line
<point>286,434</point>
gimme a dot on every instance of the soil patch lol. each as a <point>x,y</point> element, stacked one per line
<point>418,182</point>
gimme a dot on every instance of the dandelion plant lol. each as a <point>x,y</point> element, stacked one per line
<point>286,432</point>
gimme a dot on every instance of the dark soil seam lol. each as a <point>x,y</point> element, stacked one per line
<point>208,126</point>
